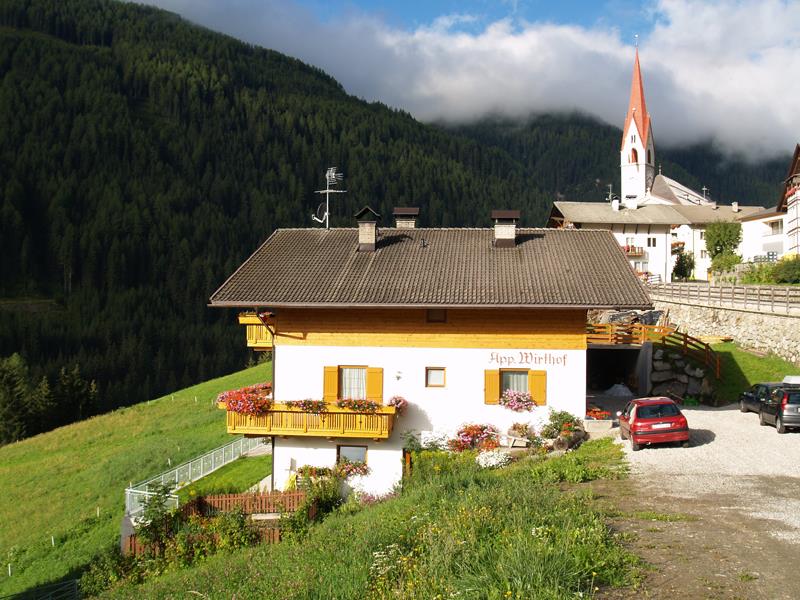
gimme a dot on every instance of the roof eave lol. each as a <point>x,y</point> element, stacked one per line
<point>238,304</point>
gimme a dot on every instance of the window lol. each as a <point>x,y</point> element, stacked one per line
<point>516,381</point>
<point>651,242</point>
<point>352,381</point>
<point>649,159</point>
<point>703,254</point>
<point>351,453</point>
<point>520,380</point>
<point>436,315</point>
<point>634,156</point>
<point>775,227</point>
<point>702,235</point>
<point>633,139</point>
<point>630,241</point>
<point>434,377</point>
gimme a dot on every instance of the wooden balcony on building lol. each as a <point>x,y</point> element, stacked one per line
<point>335,422</point>
<point>634,251</point>
<point>259,337</point>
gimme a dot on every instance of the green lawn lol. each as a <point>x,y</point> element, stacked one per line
<point>52,484</point>
<point>236,477</point>
<point>742,369</point>
<point>456,531</point>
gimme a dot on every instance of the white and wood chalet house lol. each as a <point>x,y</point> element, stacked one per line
<point>654,213</point>
<point>446,318</point>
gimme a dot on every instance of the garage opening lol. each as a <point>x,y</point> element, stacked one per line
<point>627,365</point>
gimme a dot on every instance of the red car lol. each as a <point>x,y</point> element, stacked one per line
<point>653,421</point>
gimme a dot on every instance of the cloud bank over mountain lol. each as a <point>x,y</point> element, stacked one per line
<point>722,70</point>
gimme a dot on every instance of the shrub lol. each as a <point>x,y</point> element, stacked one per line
<point>684,266</point>
<point>725,261</point>
<point>474,436</point>
<point>763,273</point>
<point>557,422</point>
<point>787,270</point>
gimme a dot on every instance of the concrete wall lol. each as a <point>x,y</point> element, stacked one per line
<point>778,334</point>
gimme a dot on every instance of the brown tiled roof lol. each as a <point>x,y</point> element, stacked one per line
<point>435,267</point>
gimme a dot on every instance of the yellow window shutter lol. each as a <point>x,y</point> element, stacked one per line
<point>330,384</point>
<point>375,384</point>
<point>537,386</point>
<point>491,387</point>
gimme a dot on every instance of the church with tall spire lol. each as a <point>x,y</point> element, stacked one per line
<point>637,151</point>
<point>654,216</point>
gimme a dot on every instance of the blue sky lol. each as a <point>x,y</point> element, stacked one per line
<point>714,70</point>
<point>629,17</point>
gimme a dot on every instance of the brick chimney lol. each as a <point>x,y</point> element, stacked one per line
<point>505,228</point>
<point>405,217</point>
<point>367,229</point>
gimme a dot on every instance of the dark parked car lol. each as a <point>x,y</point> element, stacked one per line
<point>782,409</point>
<point>752,399</point>
<point>653,421</point>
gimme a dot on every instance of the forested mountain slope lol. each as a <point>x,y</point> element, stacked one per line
<point>577,157</point>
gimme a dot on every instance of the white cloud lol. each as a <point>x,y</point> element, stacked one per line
<point>724,70</point>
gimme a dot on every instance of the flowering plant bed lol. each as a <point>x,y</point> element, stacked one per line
<point>360,406</point>
<point>307,405</point>
<point>493,459</point>
<point>474,436</point>
<point>517,401</point>
<point>251,400</point>
<point>399,403</point>
<point>598,414</point>
<point>313,472</point>
<point>347,468</point>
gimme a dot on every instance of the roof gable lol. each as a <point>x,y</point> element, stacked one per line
<point>788,186</point>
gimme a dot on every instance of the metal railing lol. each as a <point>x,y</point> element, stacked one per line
<point>775,299</point>
<point>63,590</point>
<point>186,473</point>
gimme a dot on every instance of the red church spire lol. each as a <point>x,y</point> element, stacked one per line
<point>637,109</point>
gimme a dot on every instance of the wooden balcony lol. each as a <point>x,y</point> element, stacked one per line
<point>258,336</point>
<point>335,422</point>
<point>633,251</point>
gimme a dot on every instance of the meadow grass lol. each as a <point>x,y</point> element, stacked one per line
<point>52,484</point>
<point>741,369</point>
<point>456,531</point>
<point>233,478</point>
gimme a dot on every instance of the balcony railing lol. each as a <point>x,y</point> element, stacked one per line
<point>333,422</point>
<point>633,250</point>
<point>258,336</point>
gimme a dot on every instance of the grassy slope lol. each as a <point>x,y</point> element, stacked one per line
<point>52,483</point>
<point>456,531</point>
<point>742,369</point>
<point>236,477</point>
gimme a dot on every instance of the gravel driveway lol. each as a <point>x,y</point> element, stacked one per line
<point>731,454</point>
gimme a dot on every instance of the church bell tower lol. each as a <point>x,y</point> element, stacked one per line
<point>637,154</point>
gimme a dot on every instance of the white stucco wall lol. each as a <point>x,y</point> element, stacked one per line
<point>298,374</point>
<point>658,258</point>
<point>693,237</point>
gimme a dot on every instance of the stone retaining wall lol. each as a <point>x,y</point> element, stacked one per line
<point>764,332</point>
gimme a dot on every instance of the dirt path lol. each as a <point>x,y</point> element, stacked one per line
<point>720,519</point>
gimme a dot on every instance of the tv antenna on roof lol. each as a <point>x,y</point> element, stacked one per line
<point>332,178</point>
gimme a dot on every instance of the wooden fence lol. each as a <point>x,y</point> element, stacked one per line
<point>776,299</point>
<point>250,504</point>
<point>636,334</point>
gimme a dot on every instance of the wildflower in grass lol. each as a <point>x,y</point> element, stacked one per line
<point>493,459</point>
